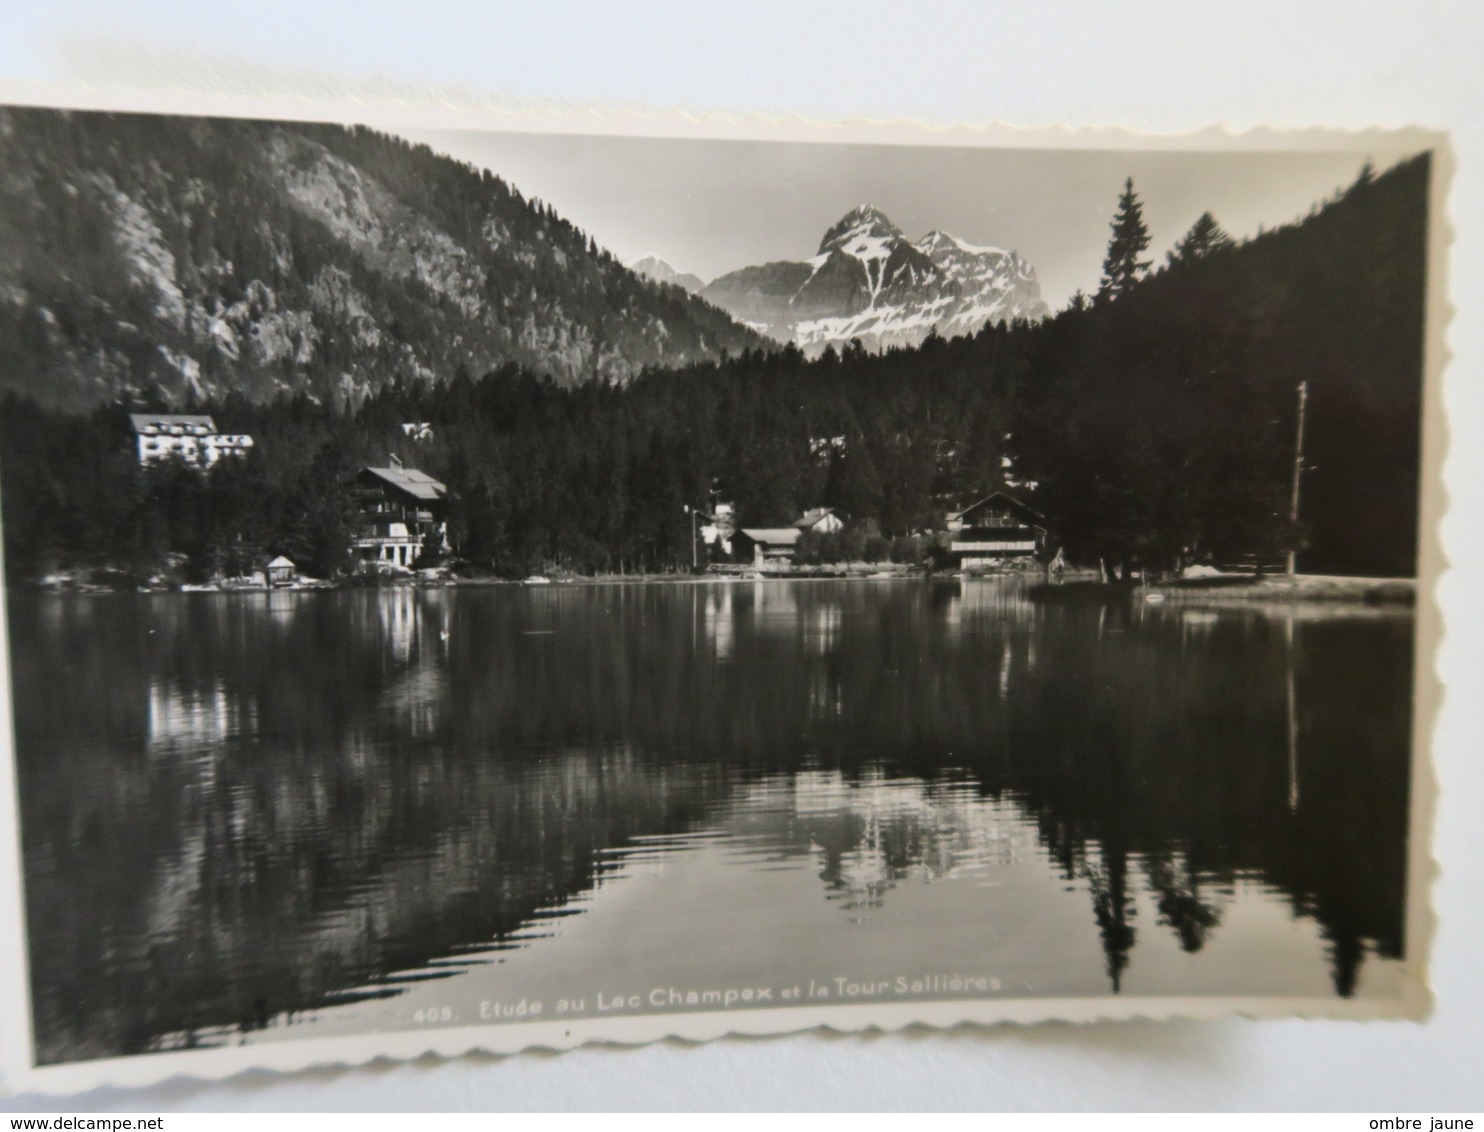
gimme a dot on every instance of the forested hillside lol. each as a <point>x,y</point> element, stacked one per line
<point>203,257</point>
<point>1157,420</point>
<point>1166,418</point>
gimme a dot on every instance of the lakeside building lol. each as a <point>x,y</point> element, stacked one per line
<point>282,572</point>
<point>997,530</point>
<point>717,528</point>
<point>780,544</point>
<point>766,544</point>
<point>820,521</point>
<point>403,515</point>
<point>190,437</point>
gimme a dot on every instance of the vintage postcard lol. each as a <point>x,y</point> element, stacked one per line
<point>482,581</point>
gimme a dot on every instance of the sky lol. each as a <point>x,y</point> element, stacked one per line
<point>712,206</point>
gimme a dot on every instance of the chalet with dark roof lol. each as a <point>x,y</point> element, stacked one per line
<point>403,515</point>
<point>780,544</point>
<point>998,530</point>
<point>762,545</point>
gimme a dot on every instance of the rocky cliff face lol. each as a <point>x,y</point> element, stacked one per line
<point>201,257</point>
<point>868,281</point>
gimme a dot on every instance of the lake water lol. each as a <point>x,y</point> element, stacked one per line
<point>259,816</point>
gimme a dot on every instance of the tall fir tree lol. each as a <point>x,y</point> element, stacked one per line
<point>1122,267</point>
<point>1205,236</point>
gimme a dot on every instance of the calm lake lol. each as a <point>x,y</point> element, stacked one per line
<point>261,816</point>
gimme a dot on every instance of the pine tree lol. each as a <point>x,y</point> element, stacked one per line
<point>1205,236</point>
<point>1122,267</point>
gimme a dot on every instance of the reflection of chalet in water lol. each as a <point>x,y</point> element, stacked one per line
<point>402,515</point>
<point>998,530</point>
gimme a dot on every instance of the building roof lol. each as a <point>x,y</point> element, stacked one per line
<point>1004,497</point>
<point>773,536</point>
<point>280,562</point>
<point>417,484</point>
<point>154,422</point>
<point>812,517</point>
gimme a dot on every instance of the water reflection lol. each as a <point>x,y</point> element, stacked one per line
<point>240,807</point>
<point>720,621</point>
<point>869,833</point>
<point>192,719</point>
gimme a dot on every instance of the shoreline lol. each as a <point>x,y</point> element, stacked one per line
<point>1286,588</point>
<point>1225,589</point>
<point>307,585</point>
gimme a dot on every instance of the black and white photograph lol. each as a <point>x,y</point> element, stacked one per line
<point>472,589</point>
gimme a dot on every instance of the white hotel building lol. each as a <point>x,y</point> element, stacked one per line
<point>192,438</point>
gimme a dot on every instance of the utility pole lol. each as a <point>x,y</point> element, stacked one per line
<point>1298,468</point>
<point>691,511</point>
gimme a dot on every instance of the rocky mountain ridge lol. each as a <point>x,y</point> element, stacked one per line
<point>867,281</point>
<point>192,258</point>
<point>659,270</point>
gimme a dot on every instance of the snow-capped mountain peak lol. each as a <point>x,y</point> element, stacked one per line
<point>864,223</point>
<point>868,281</point>
<point>938,242</point>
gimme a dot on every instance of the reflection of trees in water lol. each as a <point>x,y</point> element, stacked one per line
<point>1180,907</point>
<point>1162,737</point>
<point>1113,908</point>
<point>1180,904</point>
<point>269,865</point>
<point>870,833</point>
<point>233,808</point>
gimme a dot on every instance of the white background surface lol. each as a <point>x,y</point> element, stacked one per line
<point>1154,66</point>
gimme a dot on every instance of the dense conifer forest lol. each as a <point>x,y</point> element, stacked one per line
<point>214,256</point>
<point>1156,419</point>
